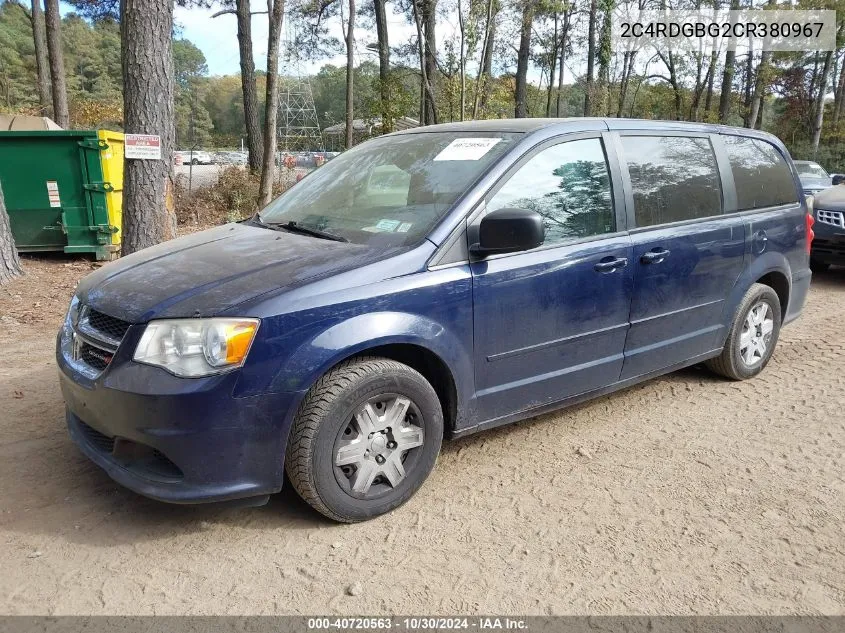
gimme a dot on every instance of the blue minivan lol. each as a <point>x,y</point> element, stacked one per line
<point>427,284</point>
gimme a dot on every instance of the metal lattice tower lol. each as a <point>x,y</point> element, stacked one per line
<point>299,129</point>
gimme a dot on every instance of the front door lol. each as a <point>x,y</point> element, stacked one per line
<point>551,323</point>
<point>687,254</point>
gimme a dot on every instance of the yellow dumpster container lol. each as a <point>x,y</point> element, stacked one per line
<point>111,160</point>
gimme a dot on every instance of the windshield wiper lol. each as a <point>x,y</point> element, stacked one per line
<point>256,220</point>
<point>307,230</point>
<point>293,227</point>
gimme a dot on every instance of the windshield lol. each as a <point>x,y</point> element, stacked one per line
<point>811,169</point>
<point>391,190</point>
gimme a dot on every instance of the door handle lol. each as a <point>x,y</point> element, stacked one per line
<point>655,257</point>
<point>608,265</point>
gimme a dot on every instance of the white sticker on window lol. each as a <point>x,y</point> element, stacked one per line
<point>404,227</point>
<point>467,148</point>
<point>387,225</point>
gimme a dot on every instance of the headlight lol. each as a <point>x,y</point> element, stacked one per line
<point>196,347</point>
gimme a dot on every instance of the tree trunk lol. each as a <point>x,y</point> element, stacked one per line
<point>275,14</point>
<point>727,82</point>
<point>759,87</point>
<point>430,21</point>
<point>552,68</point>
<point>840,95</point>
<point>350,73</point>
<point>604,55</point>
<point>728,78</point>
<point>521,93</point>
<point>426,89</point>
<point>483,79</point>
<point>567,20</point>
<point>591,60</point>
<point>42,66</point>
<point>819,114</point>
<point>463,60</point>
<point>714,60</point>
<point>10,265</point>
<point>53,28</point>
<point>250,93</point>
<point>749,93</point>
<point>487,58</point>
<point>627,69</point>
<point>147,34</point>
<point>383,65</point>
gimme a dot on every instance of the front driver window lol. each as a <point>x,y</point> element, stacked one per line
<point>569,185</point>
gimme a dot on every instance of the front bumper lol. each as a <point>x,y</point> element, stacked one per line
<point>175,439</point>
<point>828,244</point>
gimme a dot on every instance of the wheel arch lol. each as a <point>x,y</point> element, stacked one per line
<point>777,281</point>
<point>771,269</point>
<point>420,343</point>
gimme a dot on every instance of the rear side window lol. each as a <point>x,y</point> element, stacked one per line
<point>674,178</point>
<point>761,175</point>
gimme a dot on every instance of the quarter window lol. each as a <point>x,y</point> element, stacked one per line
<point>761,176</point>
<point>674,178</point>
<point>569,185</point>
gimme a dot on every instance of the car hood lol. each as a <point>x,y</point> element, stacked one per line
<point>832,199</point>
<point>205,273</point>
<point>810,182</point>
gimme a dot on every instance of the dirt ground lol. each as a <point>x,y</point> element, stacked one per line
<point>685,495</point>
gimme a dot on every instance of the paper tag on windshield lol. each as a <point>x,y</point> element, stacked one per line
<point>387,225</point>
<point>467,148</point>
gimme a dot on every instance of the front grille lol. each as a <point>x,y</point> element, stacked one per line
<point>96,339</point>
<point>95,357</point>
<point>101,442</point>
<point>107,325</point>
<point>835,218</point>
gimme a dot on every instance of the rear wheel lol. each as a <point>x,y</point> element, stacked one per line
<point>752,337</point>
<point>364,440</point>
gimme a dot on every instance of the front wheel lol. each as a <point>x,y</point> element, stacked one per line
<point>752,337</point>
<point>364,439</point>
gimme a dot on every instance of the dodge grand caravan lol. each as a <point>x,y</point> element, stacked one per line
<point>428,284</point>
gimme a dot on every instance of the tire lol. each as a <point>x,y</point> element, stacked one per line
<point>818,267</point>
<point>738,361</point>
<point>195,162</point>
<point>332,426</point>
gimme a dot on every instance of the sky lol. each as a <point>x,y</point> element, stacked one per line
<point>217,39</point>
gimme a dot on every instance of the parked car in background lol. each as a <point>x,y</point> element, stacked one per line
<point>231,158</point>
<point>432,283</point>
<point>193,157</point>
<point>813,177</point>
<point>829,243</point>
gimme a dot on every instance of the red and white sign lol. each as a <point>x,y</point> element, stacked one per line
<point>142,146</point>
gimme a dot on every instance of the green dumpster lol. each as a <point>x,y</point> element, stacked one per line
<point>63,190</point>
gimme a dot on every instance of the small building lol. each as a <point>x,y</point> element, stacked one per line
<point>363,129</point>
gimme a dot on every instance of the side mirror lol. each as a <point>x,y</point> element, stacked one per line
<point>838,179</point>
<point>509,230</point>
